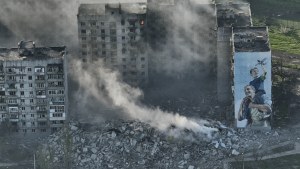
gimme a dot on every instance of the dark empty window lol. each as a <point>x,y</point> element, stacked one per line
<point>123,50</point>
<point>93,23</point>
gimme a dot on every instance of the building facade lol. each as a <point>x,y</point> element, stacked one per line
<point>115,33</point>
<point>33,88</point>
<point>252,77</point>
<point>229,15</point>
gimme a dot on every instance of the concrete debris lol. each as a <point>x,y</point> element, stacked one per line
<point>137,145</point>
<point>234,152</point>
<point>74,128</point>
<point>191,167</point>
<point>275,134</point>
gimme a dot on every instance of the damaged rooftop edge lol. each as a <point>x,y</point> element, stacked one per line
<point>100,8</point>
<point>28,51</point>
<point>233,14</point>
<point>251,39</point>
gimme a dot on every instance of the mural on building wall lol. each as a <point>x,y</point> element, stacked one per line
<point>252,89</point>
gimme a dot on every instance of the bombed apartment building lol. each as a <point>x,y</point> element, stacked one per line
<point>186,46</point>
<point>244,65</point>
<point>135,37</point>
<point>252,77</point>
<point>33,88</point>
<point>229,14</point>
<point>115,32</point>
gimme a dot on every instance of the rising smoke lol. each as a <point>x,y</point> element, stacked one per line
<point>48,22</point>
<point>182,35</point>
<point>100,95</point>
<point>126,98</point>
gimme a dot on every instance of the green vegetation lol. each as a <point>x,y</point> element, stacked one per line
<point>285,41</point>
<point>283,19</point>
<point>286,9</point>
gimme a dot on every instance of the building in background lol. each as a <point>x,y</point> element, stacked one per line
<point>115,32</point>
<point>33,88</point>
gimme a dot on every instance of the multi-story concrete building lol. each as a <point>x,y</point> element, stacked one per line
<point>33,88</point>
<point>252,69</point>
<point>229,15</point>
<point>114,32</point>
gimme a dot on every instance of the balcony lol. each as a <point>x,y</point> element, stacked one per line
<point>57,118</point>
<point>55,67</point>
<point>41,96</point>
<point>39,71</point>
<point>41,103</point>
<point>42,119</point>
<point>9,81</point>
<point>57,84</point>
<point>11,72</point>
<point>13,104</point>
<point>39,80</point>
<point>56,125</point>
<point>11,89</point>
<point>59,71</point>
<point>12,97</point>
<point>57,103</point>
<point>54,116</point>
<point>41,112</point>
<point>13,119</point>
<point>13,109</point>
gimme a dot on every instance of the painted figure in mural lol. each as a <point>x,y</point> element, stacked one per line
<point>258,81</point>
<point>253,107</point>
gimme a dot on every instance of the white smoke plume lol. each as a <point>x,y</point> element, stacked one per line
<point>186,45</point>
<point>47,22</point>
<point>54,23</point>
<point>125,97</point>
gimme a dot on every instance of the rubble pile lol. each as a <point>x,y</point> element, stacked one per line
<point>138,145</point>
